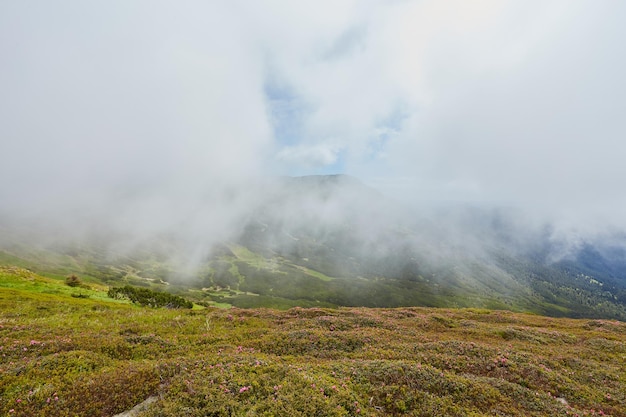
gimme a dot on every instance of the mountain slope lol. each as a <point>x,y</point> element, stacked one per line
<point>64,355</point>
<point>332,241</point>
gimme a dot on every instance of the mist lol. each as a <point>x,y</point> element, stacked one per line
<point>148,119</point>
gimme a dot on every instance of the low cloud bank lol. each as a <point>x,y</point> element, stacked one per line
<point>166,120</point>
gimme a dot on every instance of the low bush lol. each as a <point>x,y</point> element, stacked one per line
<point>73,281</point>
<point>149,298</point>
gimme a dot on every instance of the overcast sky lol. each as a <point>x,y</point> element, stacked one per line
<point>517,103</point>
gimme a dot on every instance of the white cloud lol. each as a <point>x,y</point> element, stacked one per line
<point>504,102</point>
<point>322,154</point>
<point>100,96</point>
<point>515,102</point>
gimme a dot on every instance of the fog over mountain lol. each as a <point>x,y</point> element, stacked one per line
<point>481,124</point>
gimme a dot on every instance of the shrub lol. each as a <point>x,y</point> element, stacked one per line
<point>146,297</point>
<point>73,281</point>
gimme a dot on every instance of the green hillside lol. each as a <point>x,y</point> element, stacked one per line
<point>330,241</point>
<point>69,351</point>
<point>234,274</point>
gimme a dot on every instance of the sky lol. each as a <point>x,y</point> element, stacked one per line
<point>489,102</point>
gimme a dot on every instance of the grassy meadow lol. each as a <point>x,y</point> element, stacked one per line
<point>73,351</point>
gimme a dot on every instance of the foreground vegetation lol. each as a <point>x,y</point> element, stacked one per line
<point>67,351</point>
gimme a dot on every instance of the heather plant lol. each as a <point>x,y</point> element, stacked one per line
<point>64,356</point>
